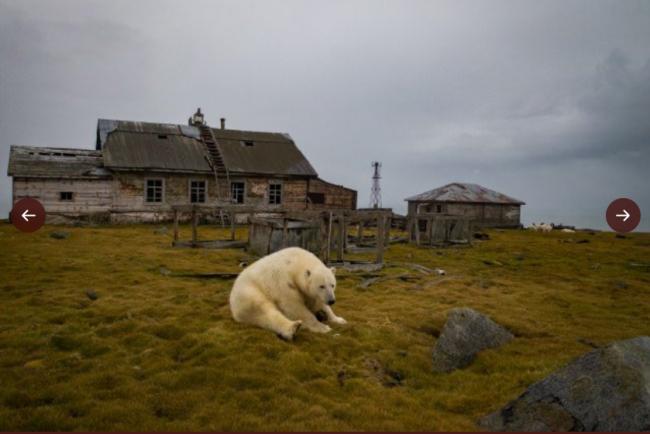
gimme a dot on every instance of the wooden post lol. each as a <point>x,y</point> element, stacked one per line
<point>340,243</point>
<point>381,231</point>
<point>387,225</point>
<point>428,230</point>
<point>432,231</point>
<point>285,232</point>
<point>175,226</point>
<point>360,231</point>
<point>194,222</point>
<point>329,237</point>
<point>231,215</point>
<point>409,228</point>
<point>416,225</point>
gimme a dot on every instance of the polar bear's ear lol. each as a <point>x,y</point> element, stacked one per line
<point>333,270</point>
<point>307,273</point>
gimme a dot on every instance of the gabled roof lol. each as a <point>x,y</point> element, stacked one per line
<point>39,162</point>
<point>464,192</point>
<point>146,145</point>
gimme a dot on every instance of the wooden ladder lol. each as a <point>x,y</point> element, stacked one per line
<point>215,159</point>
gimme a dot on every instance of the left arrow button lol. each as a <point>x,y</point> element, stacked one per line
<point>28,215</point>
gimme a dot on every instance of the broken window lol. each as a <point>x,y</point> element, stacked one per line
<point>438,208</point>
<point>237,192</point>
<point>316,198</point>
<point>275,194</point>
<point>248,143</point>
<point>154,190</point>
<point>162,136</point>
<point>65,195</point>
<point>197,191</point>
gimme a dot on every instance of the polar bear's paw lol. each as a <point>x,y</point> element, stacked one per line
<point>291,331</point>
<point>339,320</point>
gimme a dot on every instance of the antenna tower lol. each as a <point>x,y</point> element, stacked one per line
<point>375,193</point>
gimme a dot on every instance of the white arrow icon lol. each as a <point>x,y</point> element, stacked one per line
<point>625,215</point>
<point>25,215</point>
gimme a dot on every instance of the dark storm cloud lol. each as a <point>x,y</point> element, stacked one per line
<point>546,101</point>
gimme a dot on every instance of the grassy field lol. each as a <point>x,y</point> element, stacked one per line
<point>156,351</point>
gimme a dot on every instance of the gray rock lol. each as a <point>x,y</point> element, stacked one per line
<point>92,295</point>
<point>607,389</point>
<point>465,333</point>
<point>60,235</point>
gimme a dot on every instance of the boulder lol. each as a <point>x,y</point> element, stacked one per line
<point>465,333</point>
<point>607,389</point>
<point>60,235</point>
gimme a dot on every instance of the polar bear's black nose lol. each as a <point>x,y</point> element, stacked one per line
<point>331,301</point>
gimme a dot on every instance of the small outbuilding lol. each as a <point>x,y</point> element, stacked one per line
<point>482,206</point>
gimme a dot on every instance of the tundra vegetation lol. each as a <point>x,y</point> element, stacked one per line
<point>109,329</point>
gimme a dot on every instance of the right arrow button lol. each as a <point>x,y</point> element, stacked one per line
<point>623,215</point>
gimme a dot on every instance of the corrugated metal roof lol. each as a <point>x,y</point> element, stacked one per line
<point>129,144</point>
<point>107,126</point>
<point>40,162</point>
<point>464,192</point>
<point>137,150</point>
<point>260,152</point>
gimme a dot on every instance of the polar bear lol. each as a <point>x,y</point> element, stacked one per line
<point>283,291</point>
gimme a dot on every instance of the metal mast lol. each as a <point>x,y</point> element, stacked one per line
<point>375,193</point>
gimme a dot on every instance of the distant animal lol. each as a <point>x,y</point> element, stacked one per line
<point>283,291</point>
<point>568,231</point>
<point>545,227</point>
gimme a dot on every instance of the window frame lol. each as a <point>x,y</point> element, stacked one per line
<point>146,191</point>
<point>281,186</point>
<point>71,193</point>
<point>243,192</point>
<point>205,190</point>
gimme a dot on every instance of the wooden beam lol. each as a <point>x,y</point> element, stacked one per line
<point>194,222</point>
<point>340,242</point>
<point>329,237</point>
<point>175,225</point>
<point>231,216</point>
<point>416,223</point>
<point>360,232</point>
<point>381,232</point>
<point>285,232</point>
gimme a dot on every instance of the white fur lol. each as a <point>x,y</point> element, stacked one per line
<point>283,291</point>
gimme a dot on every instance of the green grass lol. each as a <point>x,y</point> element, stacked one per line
<point>159,352</point>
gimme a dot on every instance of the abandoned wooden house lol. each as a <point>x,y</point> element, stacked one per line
<point>139,171</point>
<point>481,206</point>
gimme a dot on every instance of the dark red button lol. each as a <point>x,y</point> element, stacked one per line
<point>28,215</point>
<point>623,215</point>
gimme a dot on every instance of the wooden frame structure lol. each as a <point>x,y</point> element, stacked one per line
<point>439,229</point>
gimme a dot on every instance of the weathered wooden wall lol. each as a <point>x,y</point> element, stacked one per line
<point>90,196</point>
<point>483,215</point>
<point>336,196</point>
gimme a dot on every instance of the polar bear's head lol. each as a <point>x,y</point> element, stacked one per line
<point>321,284</point>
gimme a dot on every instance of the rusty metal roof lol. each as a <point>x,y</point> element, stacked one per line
<point>41,162</point>
<point>262,153</point>
<point>138,145</point>
<point>464,192</point>
<point>144,151</point>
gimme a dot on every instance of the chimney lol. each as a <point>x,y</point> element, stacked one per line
<point>223,123</point>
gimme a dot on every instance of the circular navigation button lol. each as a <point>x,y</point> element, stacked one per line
<point>28,215</point>
<point>623,215</point>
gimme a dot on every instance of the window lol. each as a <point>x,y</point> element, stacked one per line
<point>65,195</point>
<point>237,192</point>
<point>438,208</point>
<point>162,136</point>
<point>154,190</point>
<point>316,198</point>
<point>275,194</point>
<point>197,191</point>
<point>248,143</point>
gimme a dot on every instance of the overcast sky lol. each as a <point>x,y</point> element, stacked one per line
<point>548,102</point>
